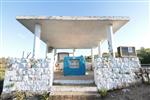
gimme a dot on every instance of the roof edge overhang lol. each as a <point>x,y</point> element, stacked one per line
<point>106,19</point>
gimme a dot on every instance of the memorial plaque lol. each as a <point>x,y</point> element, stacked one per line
<point>74,63</point>
<point>74,66</point>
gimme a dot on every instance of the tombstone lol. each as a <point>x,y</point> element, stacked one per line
<point>60,59</point>
<point>74,66</point>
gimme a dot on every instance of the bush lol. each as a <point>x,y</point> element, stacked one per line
<point>103,92</point>
<point>45,96</point>
<point>144,55</point>
<point>20,95</point>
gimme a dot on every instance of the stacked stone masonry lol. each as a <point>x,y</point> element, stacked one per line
<point>116,73</point>
<point>37,75</point>
<point>145,73</point>
<point>27,75</point>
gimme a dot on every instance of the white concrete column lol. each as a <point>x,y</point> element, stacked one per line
<point>92,55</point>
<point>52,65</point>
<point>55,57</point>
<point>73,52</point>
<point>55,52</point>
<point>36,45</point>
<point>110,40</point>
<point>99,49</point>
<point>46,51</point>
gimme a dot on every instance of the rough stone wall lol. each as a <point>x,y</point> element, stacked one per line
<point>27,75</point>
<point>116,73</point>
<point>145,74</point>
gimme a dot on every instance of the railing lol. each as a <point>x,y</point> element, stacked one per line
<point>145,65</point>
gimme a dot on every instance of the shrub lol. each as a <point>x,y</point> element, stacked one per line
<point>144,55</point>
<point>103,92</point>
<point>20,95</point>
<point>45,96</point>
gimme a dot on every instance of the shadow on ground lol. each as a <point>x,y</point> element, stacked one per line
<point>1,86</point>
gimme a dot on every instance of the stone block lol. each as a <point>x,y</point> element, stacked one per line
<point>25,78</point>
<point>145,78</point>
<point>45,77</point>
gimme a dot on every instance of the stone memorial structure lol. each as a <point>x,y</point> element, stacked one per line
<point>71,32</point>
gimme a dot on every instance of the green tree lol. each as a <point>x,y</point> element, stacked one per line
<point>144,55</point>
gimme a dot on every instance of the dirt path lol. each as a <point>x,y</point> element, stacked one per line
<point>138,92</point>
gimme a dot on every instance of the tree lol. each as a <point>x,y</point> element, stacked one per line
<point>144,55</point>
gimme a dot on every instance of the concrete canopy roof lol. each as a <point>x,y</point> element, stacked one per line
<point>73,31</point>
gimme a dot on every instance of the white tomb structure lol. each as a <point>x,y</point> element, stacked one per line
<point>71,32</point>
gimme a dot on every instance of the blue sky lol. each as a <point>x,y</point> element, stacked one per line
<point>15,38</point>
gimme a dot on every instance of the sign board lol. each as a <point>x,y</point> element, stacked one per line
<point>74,63</point>
<point>126,51</point>
<point>74,66</point>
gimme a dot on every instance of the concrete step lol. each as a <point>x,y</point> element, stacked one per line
<point>74,88</point>
<point>75,96</point>
<point>73,82</point>
<point>74,93</point>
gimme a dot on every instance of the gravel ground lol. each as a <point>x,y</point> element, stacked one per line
<point>137,92</point>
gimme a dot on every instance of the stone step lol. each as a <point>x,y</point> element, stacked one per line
<point>74,93</point>
<point>74,96</point>
<point>74,89</point>
<point>73,82</point>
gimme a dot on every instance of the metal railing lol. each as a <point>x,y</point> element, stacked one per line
<point>145,65</point>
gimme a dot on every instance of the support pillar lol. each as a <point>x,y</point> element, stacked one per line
<point>73,52</point>
<point>46,51</point>
<point>53,51</point>
<point>36,45</point>
<point>55,58</point>
<point>99,50</point>
<point>92,56</point>
<point>110,41</point>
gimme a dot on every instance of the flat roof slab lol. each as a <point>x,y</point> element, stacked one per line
<point>73,31</point>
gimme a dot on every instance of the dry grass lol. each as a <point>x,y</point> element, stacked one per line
<point>3,63</point>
